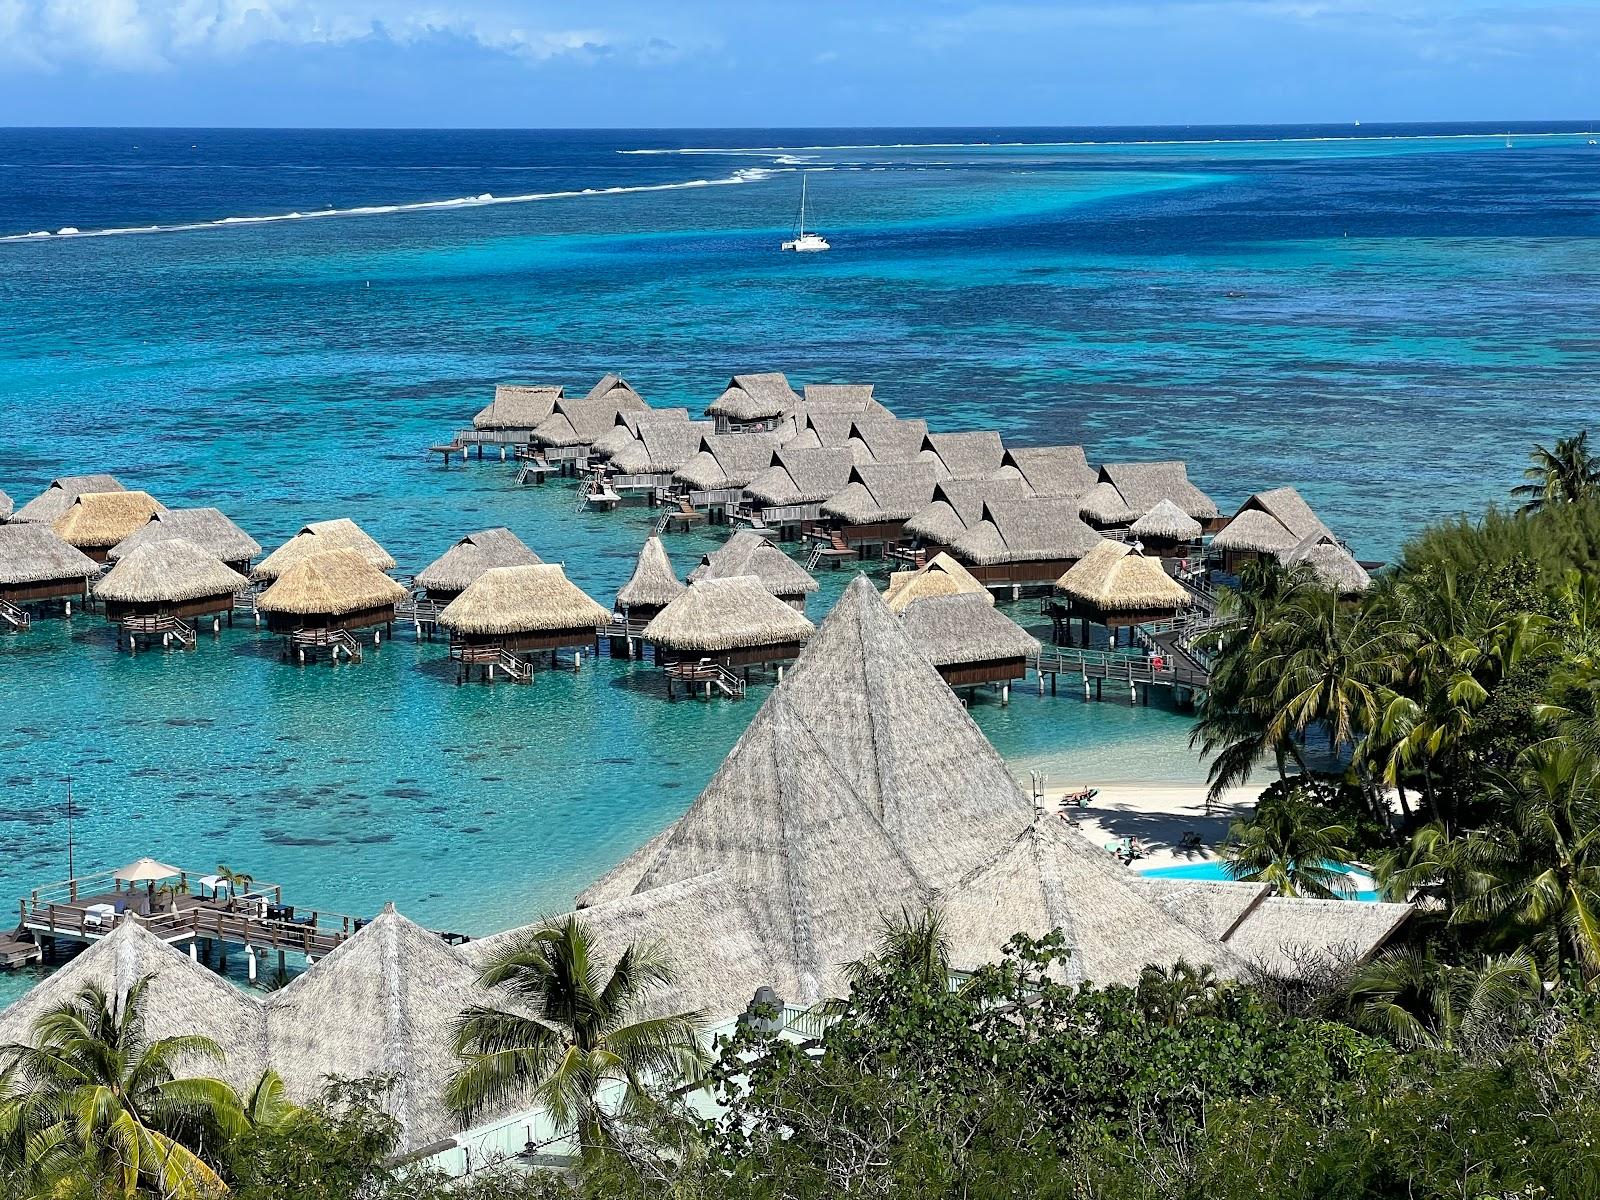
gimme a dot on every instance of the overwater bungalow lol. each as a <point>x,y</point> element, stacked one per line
<point>839,398</point>
<point>652,586</point>
<point>717,629</point>
<point>516,411</point>
<point>38,566</point>
<point>941,575</point>
<point>1268,524</point>
<point>322,598</point>
<point>660,449</point>
<point>625,430</point>
<point>725,463</point>
<point>575,425</point>
<point>1025,541</point>
<point>1050,471</point>
<point>447,576</point>
<point>49,504</point>
<point>508,612</point>
<point>870,512</point>
<point>748,553</point>
<point>957,506</point>
<point>207,528</point>
<point>974,455</point>
<point>888,439</point>
<point>613,388</point>
<point>970,642</point>
<point>1118,588</point>
<point>1333,566</point>
<point>1124,492</point>
<point>790,492</point>
<point>96,521</point>
<point>319,537</point>
<point>1167,531</point>
<point>160,589</point>
<point>751,403</point>
<point>862,787</point>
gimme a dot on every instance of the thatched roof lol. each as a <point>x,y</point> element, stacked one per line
<point>537,598</point>
<point>838,397</point>
<point>612,440</point>
<point>974,455</point>
<point>32,553</point>
<point>318,537</point>
<point>49,504</point>
<point>1272,522</point>
<point>662,446</point>
<point>759,397</point>
<point>799,476</point>
<point>1282,933</point>
<point>1026,529</point>
<point>517,406</point>
<point>611,386</point>
<point>207,528</point>
<point>883,492</point>
<point>957,505</point>
<point>1112,578</point>
<point>1167,521</point>
<point>329,583</point>
<point>951,630</point>
<point>99,520</point>
<point>172,570</point>
<point>887,439</point>
<point>861,787</point>
<point>726,613</point>
<point>1334,567</point>
<point>1053,471</point>
<point>583,422</point>
<point>748,553</point>
<point>474,554</point>
<point>728,460</point>
<point>1126,491</point>
<point>834,428</point>
<point>941,575</point>
<point>1214,907</point>
<point>653,584</point>
<point>182,998</point>
<point>6,507</point>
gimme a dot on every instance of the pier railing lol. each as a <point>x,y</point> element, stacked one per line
<point>1122,668</point>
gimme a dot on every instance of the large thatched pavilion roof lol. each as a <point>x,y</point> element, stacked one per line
<point>171,570</point>
<point>537,598</point>
<point>714,616</point>
<point>330,583</point>
<point>319,537</point>
<point>748,553</point>
<point>661,447</point>
<point>1112,578</point>
<point>887,439</point>
<point>208,528</point>
<point>728,460</point>
<point>99,520</point>
<point>31,553</point>
<point>474,554</point>
<point>653,584</point>
<point>49,504</point>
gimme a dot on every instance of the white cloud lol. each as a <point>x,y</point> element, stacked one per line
<point>146,35</point>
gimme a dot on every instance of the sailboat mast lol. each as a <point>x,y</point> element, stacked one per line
<point>803,175</point>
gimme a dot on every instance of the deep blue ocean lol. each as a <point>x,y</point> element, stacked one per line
<point>1385,317</point>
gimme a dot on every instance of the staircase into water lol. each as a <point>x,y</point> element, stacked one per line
<point>17,618</point>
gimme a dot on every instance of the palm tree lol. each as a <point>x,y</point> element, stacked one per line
<point>1329,663</point>
<point>1416,1000</point>
<point>95,1097</point>
<point>1288,844</point>
<point>577,1031</point>
<point>238,882</point>
<point>268,1106</point>
<point>1171,995</point>
<point>912,945</point>
<point>1559,476</point>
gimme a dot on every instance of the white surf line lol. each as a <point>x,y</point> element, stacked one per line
<point>765,151</point>
<point>744,175</point>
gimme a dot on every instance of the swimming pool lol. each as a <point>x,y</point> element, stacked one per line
<point>1366,887</point>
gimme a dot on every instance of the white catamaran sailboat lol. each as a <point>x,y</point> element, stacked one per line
<point>804,241</point>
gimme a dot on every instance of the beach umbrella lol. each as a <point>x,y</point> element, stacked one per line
<point>145,870</point>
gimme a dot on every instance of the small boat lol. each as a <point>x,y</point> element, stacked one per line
<point>805,242</point>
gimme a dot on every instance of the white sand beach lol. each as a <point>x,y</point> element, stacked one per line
<point>1158,814</point>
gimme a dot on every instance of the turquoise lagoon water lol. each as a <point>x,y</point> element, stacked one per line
<point>1385,323</point>
<point>1363,885</point>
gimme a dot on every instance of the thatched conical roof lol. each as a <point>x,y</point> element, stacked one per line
<point>748,553</point>
<point>474,554</point>
<point>207,528</point>
<point>653,584</point>
<point>99,520</point>
<point>49,504</point>
<point>330,583</point>
<point>32,553</point>
<point>319,537</point>
<point>1334,567</point>
<point>941,575</point>
<point>1112,578</point>
<point>171,571</point>
<point>717,615</point>
<point>527,599</point>
<point>1166,521</point>
<point>967,628</point>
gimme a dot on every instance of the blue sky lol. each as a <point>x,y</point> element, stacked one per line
<point>760,62</point>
